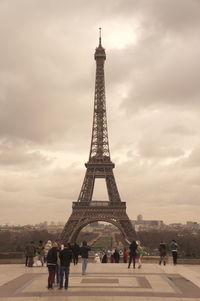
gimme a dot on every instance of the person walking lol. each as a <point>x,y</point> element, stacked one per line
<point>132,254</point>
<point>163,252</point>
<point>84,250</point>
<point>52,259</point>
<point>139,253</point>
<point>174,249</point>
<point>76,252</point>
<point>65,259</point>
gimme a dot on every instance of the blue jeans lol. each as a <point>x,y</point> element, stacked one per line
<point>64,271</point>
<point>84,265</point>
<point>57,273</point>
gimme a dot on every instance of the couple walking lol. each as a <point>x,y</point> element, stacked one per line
<point>63,258</point>
<point>136,252</point>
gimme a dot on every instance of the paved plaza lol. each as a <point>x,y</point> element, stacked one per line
<point>103,282</point>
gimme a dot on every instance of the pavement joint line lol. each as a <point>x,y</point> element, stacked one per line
<point>17,291</point>
<point>167,278</point>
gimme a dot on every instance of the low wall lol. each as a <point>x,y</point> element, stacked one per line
<point>145,259</point>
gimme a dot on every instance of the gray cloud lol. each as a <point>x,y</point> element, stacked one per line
<point>47,73</point>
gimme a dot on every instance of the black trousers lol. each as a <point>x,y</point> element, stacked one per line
<point>131,258</point>
<point>75,258</point>
<point>174,255</point>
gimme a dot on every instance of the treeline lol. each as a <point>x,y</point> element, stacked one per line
<point>16,241</point>
<point>189,243</point>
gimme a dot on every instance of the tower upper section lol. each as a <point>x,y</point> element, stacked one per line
<point>99,150</point>
<point>100,54</point>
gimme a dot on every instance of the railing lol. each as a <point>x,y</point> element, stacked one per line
<point>100,204</point>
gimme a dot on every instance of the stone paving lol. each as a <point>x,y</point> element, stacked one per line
<point>105,282</point>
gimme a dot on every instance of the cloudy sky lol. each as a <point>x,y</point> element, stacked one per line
<point>47,76</point>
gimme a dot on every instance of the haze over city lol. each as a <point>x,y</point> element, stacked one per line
<point>47,76</point>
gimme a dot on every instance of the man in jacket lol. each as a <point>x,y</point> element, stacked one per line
<point>84,250</point>
<point>174,250</point>
<point>65,259</point>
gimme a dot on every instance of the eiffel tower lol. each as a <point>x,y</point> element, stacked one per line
<point>99,165</point>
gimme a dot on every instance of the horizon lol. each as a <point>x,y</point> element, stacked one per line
<point>63,222</point>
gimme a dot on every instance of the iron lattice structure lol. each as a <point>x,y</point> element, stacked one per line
<point>99,165</point>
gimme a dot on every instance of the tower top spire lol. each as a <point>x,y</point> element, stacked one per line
<point>100,51</point>
<point>99,36</point>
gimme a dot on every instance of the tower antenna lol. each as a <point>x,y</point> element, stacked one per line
<point>99,36</point>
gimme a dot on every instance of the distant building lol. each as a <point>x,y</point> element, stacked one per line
<point>176,226</point>
<point>192,225</point>
<point>139,218</point>
<point>141,224</point>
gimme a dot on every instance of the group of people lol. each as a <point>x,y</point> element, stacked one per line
<point>31,251</point>
<point>57,257</point>
<point>135,254</point>
<point>163,249</point>
<point>36,255</point>
<point>106,257</point>
<point>137,251</point>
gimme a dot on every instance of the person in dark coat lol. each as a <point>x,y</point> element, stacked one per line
<point>52,259</point>
<point>65,259</point>
<point>104,258</point>
<point>116,256</point>
<point>84,250</point>
<point>163,252</point>
<point>76,252</point>
<point>30,251</point>
<point>132,254</point>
